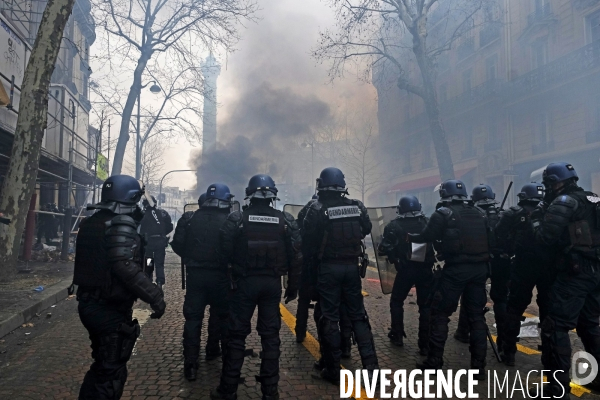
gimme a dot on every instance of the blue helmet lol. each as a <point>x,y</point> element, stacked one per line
<point>531,191</point>
<point>483,193</point>
<point>314,197</point>
<point>123,189</point>
<point>261,186</point>
<point>453,189</point>
<point>408,204</point>
<point>331,179</point>
<point>218,191</point>
<point>558,172</point>
<point>202,199</point>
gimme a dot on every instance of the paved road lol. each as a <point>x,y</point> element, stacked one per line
<point>49,359</point>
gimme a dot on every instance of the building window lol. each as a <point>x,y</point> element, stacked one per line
<point>467,80</point>
<point>544,135</point>
<point>469,149</point>
<point>493,141</point>
<point>538,54</point>
<point>491,67</point>
<point>594,27</point>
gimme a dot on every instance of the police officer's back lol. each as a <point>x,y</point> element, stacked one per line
<point>334,228</point>
<point>462,232</point>
<point>571,223</point>
<point>409,271</point>
<point>262,244</point>
<point>109,262</point>
<point>197,240</point>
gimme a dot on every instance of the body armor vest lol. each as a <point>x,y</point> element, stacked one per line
<point>466,234</point>
<point>152,223</point>
<point>261,247</point>
<point>344,234</point>
<point>584,232</point>
<point>493,216</point>
<point>413,225</point>
<point>202,235</point>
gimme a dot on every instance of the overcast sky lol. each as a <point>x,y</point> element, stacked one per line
<point>276,49</point>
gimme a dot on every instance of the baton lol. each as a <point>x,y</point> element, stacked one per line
<point>182,274</point>
<point>489,335</point>
<point>506,195</point>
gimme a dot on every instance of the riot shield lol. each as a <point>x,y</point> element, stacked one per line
<point>380,217</point>
<point>235,206</point>
<point>293,209</point>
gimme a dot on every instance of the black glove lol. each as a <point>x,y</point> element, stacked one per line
<point>291,293</point>
<point>159,308</point>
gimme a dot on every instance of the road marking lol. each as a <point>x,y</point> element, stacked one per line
<point>310,343</point>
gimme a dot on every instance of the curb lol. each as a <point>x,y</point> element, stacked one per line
<point>25,311</point>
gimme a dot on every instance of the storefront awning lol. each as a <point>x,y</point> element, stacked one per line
<point>426,182</point>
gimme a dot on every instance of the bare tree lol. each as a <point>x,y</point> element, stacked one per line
<point>152,162</point>
<point>391,34</point>
<point>363,170</point>
<point>19,182</point>
<point>138,30</point>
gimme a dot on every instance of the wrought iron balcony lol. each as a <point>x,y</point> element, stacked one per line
<point>489,33</point>
<point>566,67</point>
<point>543,147</point>
<point>592,137</point>
<point>542,14</point>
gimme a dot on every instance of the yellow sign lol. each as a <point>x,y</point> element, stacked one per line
<point>102,167</point>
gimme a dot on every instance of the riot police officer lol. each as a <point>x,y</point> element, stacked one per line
<point>462,230</point>
<point>334,227</point>
<point>197,242</point>
<point>308,292</point>
<point>572,225</point>
<point>156,225</point>
<point>409,272</point>
<point>262,244</point>
<point>530,268</point>
<point>484,197</point>
<point>109,260</point>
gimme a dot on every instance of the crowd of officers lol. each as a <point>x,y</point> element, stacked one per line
<point>235,261</point>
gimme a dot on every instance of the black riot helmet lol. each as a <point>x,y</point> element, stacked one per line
<point>331,179</point>
<point>201,199</point>
<point>558,172</point>
<point>483,194</point>
<point>453,189</point>
<point>218,195</point>
<point>123,189</point>
<point>531,192</point>
<point>408,204</point>
<point>261,186</point>
<point>146,203</point>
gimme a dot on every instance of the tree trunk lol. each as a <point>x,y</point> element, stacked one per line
<point>136,87</point>
<point>19,183</point>
<point>429,95</point>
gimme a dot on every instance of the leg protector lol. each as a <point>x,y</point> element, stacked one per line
<point>330,344</point>
<point>365,342</point>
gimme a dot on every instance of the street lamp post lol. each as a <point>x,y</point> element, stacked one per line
<point>138,147</point>
<point>163,177</point>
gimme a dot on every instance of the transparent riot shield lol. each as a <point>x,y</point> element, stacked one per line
<point>293,209</point>
<point>380,217</point>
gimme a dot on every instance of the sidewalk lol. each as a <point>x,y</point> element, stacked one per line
<point>19,302</point>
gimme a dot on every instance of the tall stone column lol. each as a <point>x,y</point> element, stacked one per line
<point>211,70</point>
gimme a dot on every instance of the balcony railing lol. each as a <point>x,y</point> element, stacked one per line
<point>566,67</point>
<point>489,33</point>
<point>543,147</point>
<point>592,137</point>
<point>465,48</point>
<point>540,15</point>
<point>478,95</point>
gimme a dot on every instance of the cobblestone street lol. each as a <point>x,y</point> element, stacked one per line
<point>49,359</point>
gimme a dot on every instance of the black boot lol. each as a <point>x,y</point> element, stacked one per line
<point>480,365</point>
<point>328,376</point>
<point>190,370</point>
<point>461,336</point>
<point>346,347</point>
<point>213,351</point>
<point>300,336</point>
<point>431,362</point>
<point>224,392</point>
<point>269,392</point>
<point>397,338</point>
<point>508,359</point>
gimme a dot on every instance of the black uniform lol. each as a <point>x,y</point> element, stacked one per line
<point>196,240</point>
<point>262,244</point>
<point>500,268</point>
<point>156,225</point>
<point>109,271</point>
<point>308,292</point>
<point>462,230</point>
<point>334,228</point>
<point>409,273</point>
<point>531,267</point>
<point>572,224</point>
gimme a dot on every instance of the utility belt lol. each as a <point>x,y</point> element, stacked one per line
<point>578,259</point>
<point>90,293</point>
